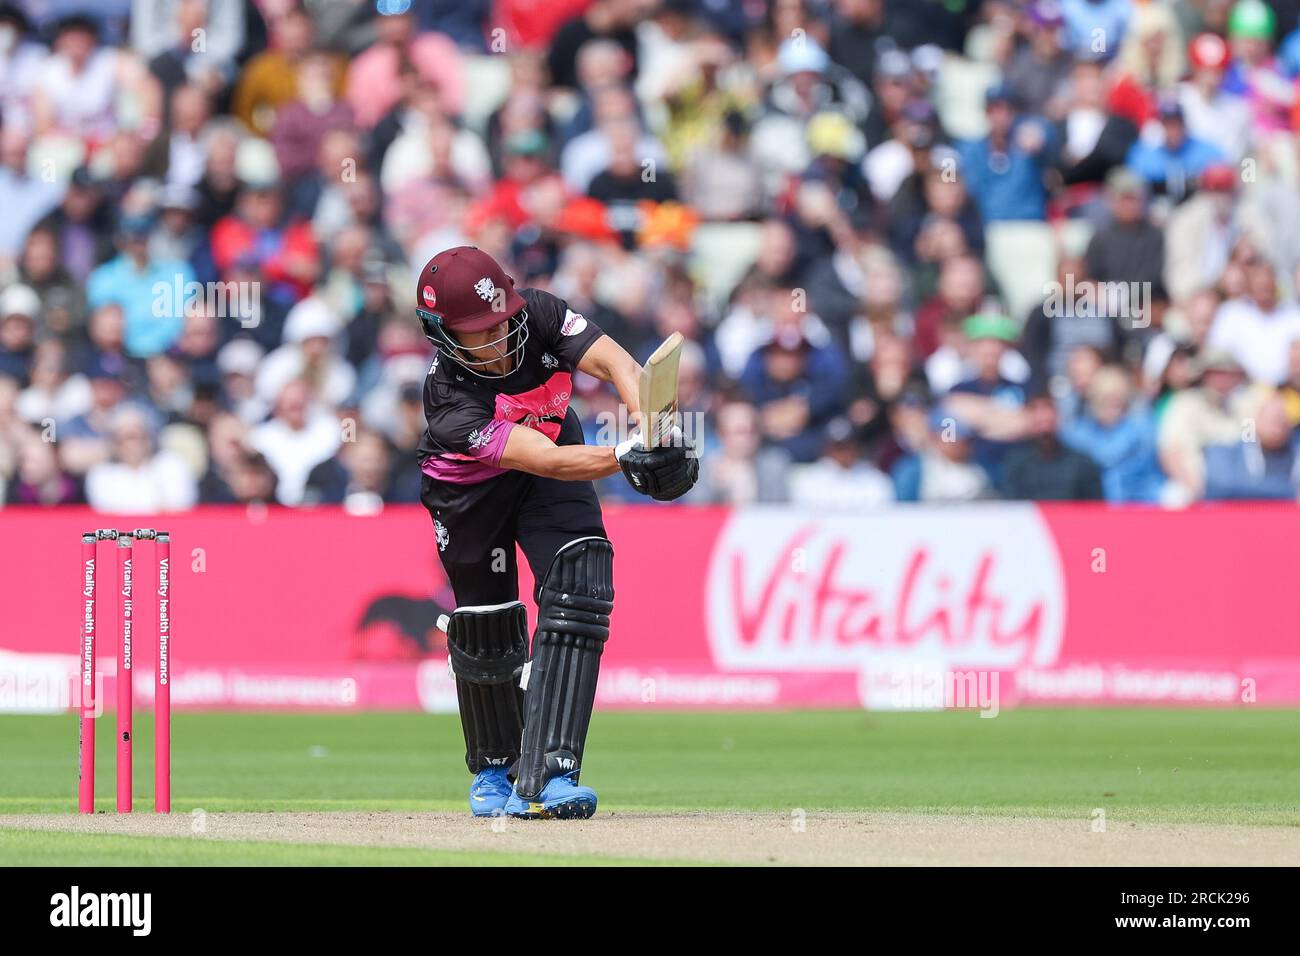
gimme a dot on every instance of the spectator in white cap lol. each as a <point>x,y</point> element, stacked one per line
<point>19,300</point>
<point>19,306</point>
<point>258,231</point>
<point>1210,414</point>
<point>809,83</point>
<point>309,353</point>
<point>237,364</point>
<point>177,235</point>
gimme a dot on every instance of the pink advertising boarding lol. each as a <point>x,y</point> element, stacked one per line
<point>763,608</point>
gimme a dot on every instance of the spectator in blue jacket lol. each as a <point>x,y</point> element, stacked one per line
<point>145,288</point>
<point>1173,165</point>
<point>1004,170</point>
<point>1263,465</point>
<point>24,197</point>
<point>1288,53</point>
<point>1089,21</point>
<point>798,387</point>
<point>1120,436</point>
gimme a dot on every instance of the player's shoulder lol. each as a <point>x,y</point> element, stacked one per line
<point>549,313</point>
<point>446,388</point>
<point>438,371</point>
<point>543,306</point>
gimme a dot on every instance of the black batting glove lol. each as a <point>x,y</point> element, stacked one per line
<point>664,473</point>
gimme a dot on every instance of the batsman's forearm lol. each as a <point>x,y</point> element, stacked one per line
<point>585,463</point>
<point>580,463</point>
<point>627,380</point>
<point>531,451</point>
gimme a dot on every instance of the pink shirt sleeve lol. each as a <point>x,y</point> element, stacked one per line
<point>494,444</point>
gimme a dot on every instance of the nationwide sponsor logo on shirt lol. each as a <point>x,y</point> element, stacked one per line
<point>542,408</point>
<point>481,436</point>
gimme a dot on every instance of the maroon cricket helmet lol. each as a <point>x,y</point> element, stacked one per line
<point>463,289</point>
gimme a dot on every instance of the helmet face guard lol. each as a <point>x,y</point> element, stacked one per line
<point>437,333</point>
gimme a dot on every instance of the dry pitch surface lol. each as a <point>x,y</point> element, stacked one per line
<point>851,839</point>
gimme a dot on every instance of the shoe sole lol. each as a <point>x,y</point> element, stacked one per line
<point>569,810</point>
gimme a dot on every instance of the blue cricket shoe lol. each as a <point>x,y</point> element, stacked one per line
<point>560,799</point>
<point>489,792</point>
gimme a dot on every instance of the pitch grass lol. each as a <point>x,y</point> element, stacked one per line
<point>1172,766</point>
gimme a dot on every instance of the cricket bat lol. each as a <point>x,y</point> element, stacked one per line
<point>659,391</point>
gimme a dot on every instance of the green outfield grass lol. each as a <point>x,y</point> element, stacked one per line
<point>1177,766</point>
<point>34,848</point>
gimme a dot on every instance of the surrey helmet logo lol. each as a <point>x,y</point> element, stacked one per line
<point>485,289</point>
<point>440,530</point>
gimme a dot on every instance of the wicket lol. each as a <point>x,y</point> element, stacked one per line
<point>125,547</point>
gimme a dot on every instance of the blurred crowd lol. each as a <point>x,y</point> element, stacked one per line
<point>922,250</point>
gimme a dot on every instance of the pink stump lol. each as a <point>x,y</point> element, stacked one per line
<point>124,670</point>
<point>86,653</point>
<point>162,699</point>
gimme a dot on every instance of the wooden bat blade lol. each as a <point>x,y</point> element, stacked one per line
<point>659,390</point>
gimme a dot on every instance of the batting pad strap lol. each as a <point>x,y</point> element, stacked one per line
<point>488,645</point>
<point>577,595</point>
<point>570,613</point>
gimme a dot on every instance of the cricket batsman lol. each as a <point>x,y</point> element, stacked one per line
<point>504,463</point>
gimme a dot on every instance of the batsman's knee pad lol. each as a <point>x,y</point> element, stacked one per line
<point>573,607</point>
<point>488,647</point>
